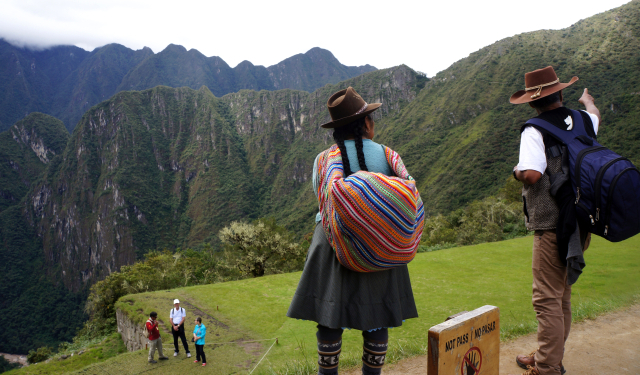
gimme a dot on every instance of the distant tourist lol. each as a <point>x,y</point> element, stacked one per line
<point>541,159</point>
<point>199,332</point>
<point>177,317</point>
<point>330,294</point>
<point>155,342</point>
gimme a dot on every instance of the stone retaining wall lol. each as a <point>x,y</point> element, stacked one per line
<point>131,332</point>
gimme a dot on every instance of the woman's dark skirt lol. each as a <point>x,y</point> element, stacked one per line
<point>336,297</point>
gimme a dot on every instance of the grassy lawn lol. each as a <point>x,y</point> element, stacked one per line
<point>444,282</point>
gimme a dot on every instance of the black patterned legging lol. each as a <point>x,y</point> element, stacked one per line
<point>330,346</point>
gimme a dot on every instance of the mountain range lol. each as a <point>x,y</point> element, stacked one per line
<point>65,81</point>
<point>168,167</point>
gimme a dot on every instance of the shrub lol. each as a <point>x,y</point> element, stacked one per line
<point>42,354</point>
<point>261,247</point>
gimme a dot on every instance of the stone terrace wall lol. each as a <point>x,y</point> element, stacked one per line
<point>131,332</point>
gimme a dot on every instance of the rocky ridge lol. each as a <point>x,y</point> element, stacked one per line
<point>65,81</point>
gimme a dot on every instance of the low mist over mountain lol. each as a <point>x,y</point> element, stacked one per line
<point>65,81</point>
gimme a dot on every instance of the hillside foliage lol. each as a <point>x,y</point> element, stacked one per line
<point>494,218</point>
<point>460,136</point>
<point>250,250</point>
<point>20,165</point>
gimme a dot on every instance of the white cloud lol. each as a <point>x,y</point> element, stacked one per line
<point>427,36</point>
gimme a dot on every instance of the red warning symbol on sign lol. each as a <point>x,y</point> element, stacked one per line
<point>471,362</point>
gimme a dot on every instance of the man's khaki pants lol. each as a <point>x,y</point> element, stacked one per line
<point>153,345</point>
<point>551,301</point>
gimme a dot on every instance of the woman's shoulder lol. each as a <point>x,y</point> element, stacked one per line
<point>371,146</point>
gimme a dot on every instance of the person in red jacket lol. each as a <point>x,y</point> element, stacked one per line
<point>155,342</point>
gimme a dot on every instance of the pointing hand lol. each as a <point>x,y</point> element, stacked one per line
<point>586,98</point>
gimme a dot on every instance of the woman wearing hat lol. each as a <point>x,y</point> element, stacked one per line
<point>329,293</point>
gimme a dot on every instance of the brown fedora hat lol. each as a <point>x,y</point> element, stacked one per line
<point>346,106</point>
<point>538,84</point>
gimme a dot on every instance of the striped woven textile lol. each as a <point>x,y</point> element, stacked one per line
<point>374,222</point>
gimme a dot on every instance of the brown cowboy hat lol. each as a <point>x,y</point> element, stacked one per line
<point>538,84</point>
<point>346,106</point>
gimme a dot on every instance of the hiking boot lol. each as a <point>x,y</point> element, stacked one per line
<point>530,371</point>
<point>152,361</point>
<point>526,361</point>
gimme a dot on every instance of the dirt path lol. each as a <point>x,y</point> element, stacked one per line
<point>608,345</point>
<point>15,358</point>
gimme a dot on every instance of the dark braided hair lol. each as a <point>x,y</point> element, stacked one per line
<point>351,130</point>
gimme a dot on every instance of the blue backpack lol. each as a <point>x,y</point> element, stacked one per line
<point>607,185</point>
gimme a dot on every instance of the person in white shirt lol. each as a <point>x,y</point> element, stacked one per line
<point>539,157</point>
<point>177,316</point>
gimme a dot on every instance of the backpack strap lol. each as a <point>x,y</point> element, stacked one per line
<point>563,136</point>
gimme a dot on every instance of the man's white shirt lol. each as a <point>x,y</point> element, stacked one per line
<point>532,155</point>
<point>177,315</point>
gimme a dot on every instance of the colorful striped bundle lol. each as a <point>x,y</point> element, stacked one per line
<point>374,222</point>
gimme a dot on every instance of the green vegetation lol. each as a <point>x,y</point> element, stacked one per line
<point>39,355</point>
<point>444,282</point>
<point>261,247</point>
<point>26,149</point>
<point>254,249</point>
<point>459,138</point>
<point>491,219</point>
<point>6,365</point>
<point>77,356</point>
<point>20,166</point>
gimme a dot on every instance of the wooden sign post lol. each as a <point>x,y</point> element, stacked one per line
<point>468,344</point>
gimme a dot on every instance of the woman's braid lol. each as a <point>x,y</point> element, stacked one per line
<point>359,147</point>
<point>345,159</point>
<point>354,130</point>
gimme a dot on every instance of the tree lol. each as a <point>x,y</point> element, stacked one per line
<point>261,247</point>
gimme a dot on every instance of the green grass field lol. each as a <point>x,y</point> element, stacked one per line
<point>444,282</point>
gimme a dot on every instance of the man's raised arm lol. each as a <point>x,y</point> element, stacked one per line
<point>587,100</point>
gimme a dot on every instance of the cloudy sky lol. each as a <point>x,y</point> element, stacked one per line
<point>426,35</point>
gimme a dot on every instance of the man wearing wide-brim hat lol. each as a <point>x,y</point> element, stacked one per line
<point>539,154</point>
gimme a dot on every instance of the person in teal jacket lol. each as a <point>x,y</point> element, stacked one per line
<point>199,332</point>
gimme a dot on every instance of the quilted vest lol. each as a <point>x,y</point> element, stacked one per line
<point>540,209</point>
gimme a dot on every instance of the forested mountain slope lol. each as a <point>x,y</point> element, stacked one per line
<point>25,150</point>
<point>65,81</point>
<point>167,168</point>
<point>460,137</point>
